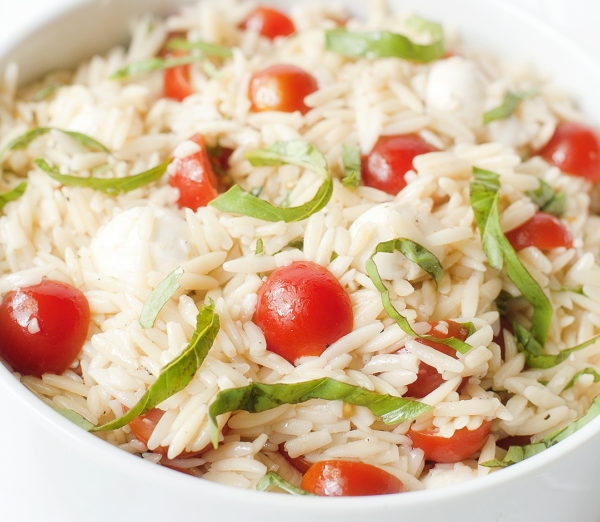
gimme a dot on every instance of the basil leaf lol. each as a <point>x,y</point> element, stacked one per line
<point>176,375</point>
<point>207,49</point>
<point>257,397</point>
<point>381,44</point>
<point>518,453</point>
<point>585,371</point>
<point>13,194</point>
<point>74,417</point>
<point>159,297</point>
<point>422,25</point>
<point>44,92</point>
<point>237,200</point>
<point>547,200</point>
<point>352,166</point>
<point>111,186</point>
<point>259,251</point>
<point>508,106</point>
<point>22,141</point>
<point>543,361</point>
<point>423,258</point>
<point>485,197</point>
<point>152,64</point>
<point>272,479</point>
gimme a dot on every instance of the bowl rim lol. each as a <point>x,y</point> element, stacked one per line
<point>101,450</point>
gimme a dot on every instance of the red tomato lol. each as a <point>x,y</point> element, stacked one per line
<point>390,159</point>
<point>281,87</point>
<point>463,443</point>
<point>43,327</point>
<point>543,231</point>
<point>513,440</point>
<point>300,463</point>
<point>575,149</point>
<point>194,177</point>
<point>343,478</point>
<point>302,309</point>
<point>176,80</point>
<point>268,22</point>
<point>428,378</point>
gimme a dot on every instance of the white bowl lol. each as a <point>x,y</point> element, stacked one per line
<point>51,470</point>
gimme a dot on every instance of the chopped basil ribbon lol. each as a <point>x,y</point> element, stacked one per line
<point>22,141</point>
<point>236,200</point>
<point>381,44</point>
<point>112,186</point>
<point>44,92</point>
<point>152,64</point>
<point>541,360</point>
<point>508,106</point>
<point>352,166</point>
<point>518,453</point>
<point>272,479</point>
<point>422,25</point>
<point>428,262</point>
<point>259,251</point>
<point>547,200</point>
<point>13,194</point>
<point>74,417</point>
<point>585,371</point>
<point>207,49</point>
<point>258,397</point>
<point>176,375</point>
<point>159,297</point>
<point>485,197</point>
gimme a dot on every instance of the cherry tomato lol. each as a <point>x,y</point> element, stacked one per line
<point>343,478</point>
<point>194,177</point>
<point>390,159</point>
<point>428,378</point>
<point>463,443</point>
<point>575,149</point>
<point>513,440</point>
<point>43,327</point>
<point>543,231</point>
<point>300,463</point>
<point>268,22</point>
<point>281,87</point>
<point>176,80</point>
<point>302,308</point>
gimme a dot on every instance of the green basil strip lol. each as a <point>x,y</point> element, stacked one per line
<point>44,92</point>
<point>352,166</point>
<point>258,397</point>
<point>485,197</point>
<point>111,186</point>
<point>272,479</point>
<point>159,297</point>
<point>74,417</point>
<point>176,375</point>
<point>544,361</point>
<point>259,251</point>
<point>236,200</point>
<point>381,44</point>
<point>13,194</point>
<point>518,453</point>
<point>508,106</point>
<point>207,49</point>
<point>423,258</point>
<point>585,371</point>
<point>547,200</point>
<point>152,64</point>
<point>22,141</point>
<point>422,25</point>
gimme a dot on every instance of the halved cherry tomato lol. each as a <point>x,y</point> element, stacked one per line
<point>343,478</point>
<point>268,22</point>
<point>176,80</point>
<point>43,327</point>
<point>194,177</point>
<point>543,231</point>
<point>462,445</point>
<point>300,463</point>
<point>428,378</point>
<point>390,159</point>
<point>575,149</point>
<point>302,308</point>
<point>281,87</point>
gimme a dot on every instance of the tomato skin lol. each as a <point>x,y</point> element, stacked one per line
<point>268,22</point>
<point>428,378</point>
<point>460,446</point>
<point>543,231</point>
<point>513,440</point>
<point>575,149</point>
<point>302,308</point>
<point>63,317</point>
<point>344,478</point>
<point>194,177</point>
<point>281,87</point>
<point>300,463</point>
<point>390,159</point>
